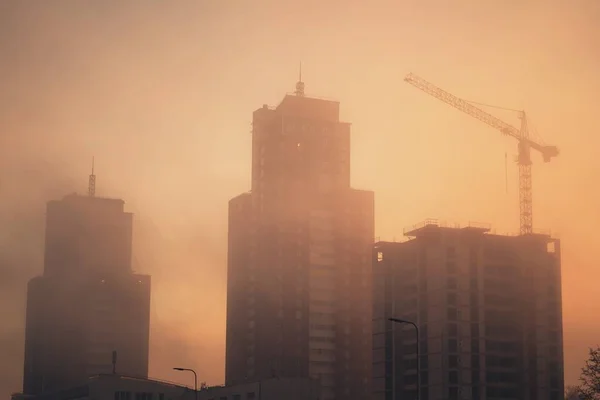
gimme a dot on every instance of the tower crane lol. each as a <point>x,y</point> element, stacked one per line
<point>525,144</point>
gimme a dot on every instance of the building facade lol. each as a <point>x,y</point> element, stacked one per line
<point>488,308</point>
<point>88,303</point>
<point>299,275</point>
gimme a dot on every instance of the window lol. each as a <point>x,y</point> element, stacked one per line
<point>452,314</point>
<point>123,395</point>
<point>424,378</point>
<point>453,377</point>
<point>475,345</point>
<point>379,355</point>
<point>553,367</point>
<point>473,268</point>
<point>475,392</point>
<point>379,384</point>
<point>473,283</point>
<point>474,330</point>
<point>452,361</point>
<point>452,299</point>
<point>452,345</point>
<point>409,349</point>
<point>451,283</point>
<point>423,331</point>
<point>453,393</point>
<point>410,379</point>
<point>474,299</point>
<point>379,369</point>
<point>379,340</point>
<point>452,329</point>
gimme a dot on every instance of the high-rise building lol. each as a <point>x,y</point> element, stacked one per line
<point>88,303</point>
<point>299,273</point>
<point>488,308</point>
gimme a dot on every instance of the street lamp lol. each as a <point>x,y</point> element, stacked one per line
<point>403,321</point>
<point>195,379</point>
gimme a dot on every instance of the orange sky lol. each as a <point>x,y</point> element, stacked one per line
<point>162,94</point>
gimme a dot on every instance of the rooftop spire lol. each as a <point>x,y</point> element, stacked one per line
<point>300,85</point>
<point>92,182</point>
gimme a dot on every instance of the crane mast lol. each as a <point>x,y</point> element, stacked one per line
<point>522,135</point>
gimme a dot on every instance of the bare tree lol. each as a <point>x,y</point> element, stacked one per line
<point>572,393</point>
<point>590,377</point>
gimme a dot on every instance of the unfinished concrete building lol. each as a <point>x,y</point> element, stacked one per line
<point>488,308</point>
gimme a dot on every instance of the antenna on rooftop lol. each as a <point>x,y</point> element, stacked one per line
<point>300,85</point>
<point>92,182</point>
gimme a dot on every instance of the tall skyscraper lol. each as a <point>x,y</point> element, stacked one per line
<point>88,302</point>
<point>299,269</point>
<point>488,309</point>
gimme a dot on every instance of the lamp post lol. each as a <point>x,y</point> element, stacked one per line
<point>195,379</point>
<point>403,321</point>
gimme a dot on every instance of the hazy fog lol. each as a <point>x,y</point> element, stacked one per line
<point>161,93</point>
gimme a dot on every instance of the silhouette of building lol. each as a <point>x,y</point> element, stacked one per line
<point>299,274</point>
<point>123,387</point>
<point>88,302</point>
<point>489,312</point>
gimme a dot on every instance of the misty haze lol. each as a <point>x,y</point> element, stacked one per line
<point>167,99</point>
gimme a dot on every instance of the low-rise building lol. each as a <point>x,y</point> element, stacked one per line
<point>118,387</point>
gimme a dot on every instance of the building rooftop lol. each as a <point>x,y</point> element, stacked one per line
<point>134,378</point>
<point>85,202</point>
<point>430,225</point>
<point>310,107</point>
<point>74,197</point>
<point>299,105</point>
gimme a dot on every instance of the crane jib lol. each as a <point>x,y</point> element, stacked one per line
<point>522,135</point>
